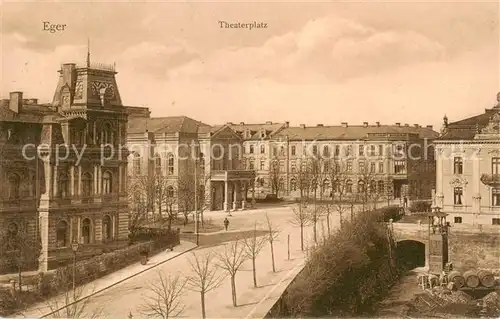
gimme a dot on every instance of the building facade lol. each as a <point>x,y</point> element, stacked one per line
<point>468,168</point>
<point>182,153</point>
<point>63,165</point>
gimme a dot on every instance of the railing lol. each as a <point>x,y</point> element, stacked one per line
<point>491,179</point>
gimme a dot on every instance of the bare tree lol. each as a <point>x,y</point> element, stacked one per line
<point>138,206</point>
<point>165,301</point>
<point>272,236</point>
<point>300,219</point>
<point>21,248</point>
<point>206,277</point>
<point>231,260</point>
<point>275,176</point>
<point>314,215</point>
<point>253,246</point>
<point>72,303</point>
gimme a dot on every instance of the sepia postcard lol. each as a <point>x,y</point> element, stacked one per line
<point>249,159</point>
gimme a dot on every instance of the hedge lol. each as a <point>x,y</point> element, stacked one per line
<point>420,206</point>
<point>346,275</point>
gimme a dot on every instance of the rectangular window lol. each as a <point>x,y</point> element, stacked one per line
<point>315,150</point>
<point>326,151</point>
<point>348,150</point>
<point>361,150</point>
<point>361,166</point>
<point>262,165</point>
<point>262,149</point>
<point>372,167</point>
<point>349,166</point>
<point>495,221</point>
<point>252,166</point>
<point>495,197</point>
<point>458,165</point>
<point>495,165</point>
<point>337,150</point>
<point>372,150</point>
<point>457,220</point>
<point>275,151</point>
<point>326,167</point>
<point>381,167</point>
<point>381,150</point>
<point>293,150</point>
<point>251,149</point>
<point>399,167</point>
<point>457,195</point>
<point>282,151</point>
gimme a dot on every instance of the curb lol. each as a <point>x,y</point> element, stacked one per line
<point>118,282</point>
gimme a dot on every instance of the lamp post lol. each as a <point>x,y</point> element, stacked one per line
<point>196,200</point>
<point>74,248</point>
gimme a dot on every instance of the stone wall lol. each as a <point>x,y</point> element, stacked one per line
<point>474,250</point>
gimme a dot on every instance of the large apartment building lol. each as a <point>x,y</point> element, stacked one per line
<point>62,168</point>
<point>468,168</point>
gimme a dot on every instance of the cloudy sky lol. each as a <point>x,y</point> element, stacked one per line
<point>408,62</point>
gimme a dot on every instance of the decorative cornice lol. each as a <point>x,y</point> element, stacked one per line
<point>459,181</point>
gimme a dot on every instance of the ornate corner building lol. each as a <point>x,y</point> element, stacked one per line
<point>62,164</point>
<point>468,168</point>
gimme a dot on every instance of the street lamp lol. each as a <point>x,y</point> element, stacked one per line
<point>74,248</point>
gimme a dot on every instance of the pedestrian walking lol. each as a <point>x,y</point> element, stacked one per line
<point>226,223</point>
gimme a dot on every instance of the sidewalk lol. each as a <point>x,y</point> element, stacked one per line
<point>114,278</point>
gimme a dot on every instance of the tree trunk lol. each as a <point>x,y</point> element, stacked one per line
<point>20,277</point>
<point>254,272</point>
<point>272,256</point>
<point>203,314</point>
<point>328,223</point>
<point>233,289</point>
<point>302,236</point>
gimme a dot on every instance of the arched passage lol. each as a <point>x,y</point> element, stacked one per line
<point>411,253</point>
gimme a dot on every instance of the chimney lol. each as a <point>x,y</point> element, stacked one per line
<point>398,124</point>
<point>287,124</point>
<point>229,123</point>
<point>407,125</point>
<point>269,122</point>
<point>416,125</point>
<point>344,124</point>
<point>377,123</point>
<point>302,125</point>
<point>365,124</point>
<point>16,100</point>
<point>319,125</point>
<point>68,71</point>
<point>242,123</point>
<point>429,127</point>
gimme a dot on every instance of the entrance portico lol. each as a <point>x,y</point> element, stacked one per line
<point>229,189</point>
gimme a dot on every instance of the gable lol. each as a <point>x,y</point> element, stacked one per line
<point>226,133</point>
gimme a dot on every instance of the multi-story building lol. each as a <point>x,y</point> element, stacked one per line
<point>468,168</point>
<point>397,158</point>
<point>180,148</point>
<point>62,167</point>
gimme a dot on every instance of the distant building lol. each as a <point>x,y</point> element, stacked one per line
<point>66,199</point>
<point>468,168</point>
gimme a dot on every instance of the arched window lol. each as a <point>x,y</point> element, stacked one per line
<point>63,190</point>
<point>14,186</point>
<point>107,229</point>
<point>106,183</point>
<point>325,185</point>
<point>86,231</point>
<point>348,186</point>
<point>62,234</point>
<point>136,162</point>
<point>170,191</point>
<point>293,185</point>
<point>158,164</point>
<point>361,186</point>
<point>380,187</point>
<point>170,163</point>
<point>86,185</point>
<point>107,134</point>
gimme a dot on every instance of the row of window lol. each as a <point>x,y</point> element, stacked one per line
<point>346,187</point>
<point>458,220</point>
<point>370,150</point>
<point>458,193</point>
<point>63,185</point>
<point>458,165</point>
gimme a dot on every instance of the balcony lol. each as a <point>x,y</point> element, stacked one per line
<point>492,180</point>
<point>229,175</point>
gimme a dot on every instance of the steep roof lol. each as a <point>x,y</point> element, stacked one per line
<point>170,124</point>
<point>269,128</point>
<point>467,128</point>
<point>351,132</point>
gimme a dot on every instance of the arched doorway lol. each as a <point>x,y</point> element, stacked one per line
<point>107,229</point>
<point>62,234</point>
<point>86,231</point>
<point>411,253</point>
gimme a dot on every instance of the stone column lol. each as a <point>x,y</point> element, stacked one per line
<point>72,180</point>
<point>79,230</point>
<point>96,177</point>
<point>119,179</point>
<point>439,178</point>
<point>80,180</point>
<point>55,188</point>
<point>44,237</point>
<point>244,197</point>
<point>235,195</point>
<point>113,227</point>
<point>226,196</point>
<point>476,186</point>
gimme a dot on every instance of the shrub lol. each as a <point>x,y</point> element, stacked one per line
<point>346,275</point>
<point>389,212</point>
<point>420,206</point>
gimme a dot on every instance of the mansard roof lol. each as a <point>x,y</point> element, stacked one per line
<point>170,124</point>
<point>468,128</point>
